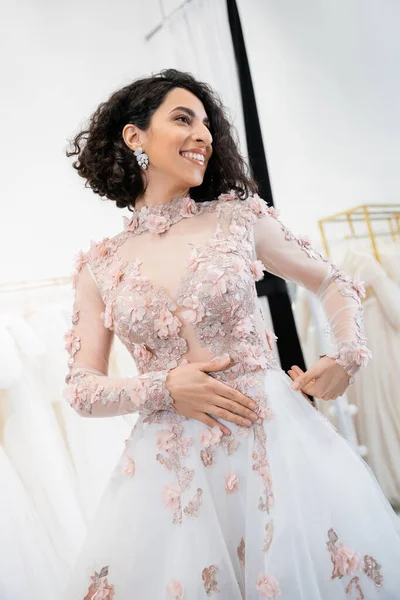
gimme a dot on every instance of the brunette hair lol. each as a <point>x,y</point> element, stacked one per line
<point>108,164</point>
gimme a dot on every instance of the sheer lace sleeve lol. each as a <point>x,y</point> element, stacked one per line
<point>294,259</point>
<point>90,391</point>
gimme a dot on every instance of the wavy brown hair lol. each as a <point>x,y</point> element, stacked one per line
<point>108,164</point>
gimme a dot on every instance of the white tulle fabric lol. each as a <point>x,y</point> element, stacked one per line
<point>282,509</point>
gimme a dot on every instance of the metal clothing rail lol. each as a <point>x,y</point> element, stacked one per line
<point>366,214</point>
<point>165,18</point>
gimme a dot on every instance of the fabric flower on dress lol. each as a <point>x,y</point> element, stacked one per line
<point>175,590</point>
<point>167,324</point>
<point>114,276</point>
<point>166,440</point>
<point>188,207</point>
<point>359,287</point>
<point>196,310</point>
<point>243,328</point>
<point>211,437</point>
<point>268,586</point>
<point>228,197</point>
<point>107,315</point>
<point>80,260</point>
<point>252,356</point>
<point>139,308</point>
<point>141,353</point>
<point>231,482</point>
<point>172,497</point>
<point>130,224</point>
<point>345,561</point>
<point>158,223</point>
<point>72,345</point>
<point>129,466</point>
<point>257,269</point>
<point>100,250</point>
<point>271,338</point>
<point>273,212</point>
<point>72,397</point>
<point>215,282</point>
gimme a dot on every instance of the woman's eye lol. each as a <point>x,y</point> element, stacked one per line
<point>183,117</point>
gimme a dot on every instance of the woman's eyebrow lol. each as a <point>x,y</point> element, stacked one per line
<point>190,112</point>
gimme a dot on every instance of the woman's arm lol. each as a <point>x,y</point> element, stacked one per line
<point>89,389</point>
<point>294,259</point>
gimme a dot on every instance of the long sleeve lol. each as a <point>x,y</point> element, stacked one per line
<point>90,391</point>
<point>294,259</point>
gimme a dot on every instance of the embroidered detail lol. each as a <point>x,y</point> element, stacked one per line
<point>100,588</point>
<point>207,457</point>
<point>261,466</point>
<point>175,590</point>
<point>241,552</point>
<point>231,482</point>
<point>171,442</point>
<point>372,570</point>
<point>210,437</point>
<point>268,586</point>
<point>209,576</point>
<point>192,509</point>
<point>230,443</point>
<point>348,562</point>
<point>129,466</point>
<point>356,583</point>
<point>269,533</point>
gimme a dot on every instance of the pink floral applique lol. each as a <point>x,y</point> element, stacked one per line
<point>271,338</point>
<point>129,466</point>
<point>269,534</point>
<point>167,324</point>
<point>114,276</point>
<point>268,586</point>
<point>244,327</point>
<point>241,552</point>
<point>231,482</point>
<point>211,437</point>
<point>195,309</point>
<point>139,308</point>
<point>231,195</point>
<point>72,397</point>
<point>141,353</point>
<point>359,288</point>
<point>207,457</point>
<point>130,224</point>
<point>172,500</point>
<point>262,467</point>
<point>72,344</point>
<point>175,590</point>
<point>215,282</point>
<point>252,357</point>
<point>188,207</point>
<point>193,507</point>
<point>81,259</point>
<point>107,315</point>
<point>257,268</point>
<point>100,589</point>
<point>158,223</point>
<point>209,576</point>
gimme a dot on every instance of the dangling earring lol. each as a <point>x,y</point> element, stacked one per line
<point>142,158</point>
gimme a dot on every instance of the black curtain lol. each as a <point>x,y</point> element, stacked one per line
<point>273,287</point>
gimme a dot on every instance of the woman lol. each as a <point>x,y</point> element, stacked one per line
<point>231,485</point>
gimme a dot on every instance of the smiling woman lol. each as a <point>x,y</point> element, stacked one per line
<point>230,484</point>
<point>182,126</point>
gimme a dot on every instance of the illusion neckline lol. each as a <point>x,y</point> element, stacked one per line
<point>164,207</point>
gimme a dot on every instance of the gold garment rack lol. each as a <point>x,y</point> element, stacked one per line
<point>367,214</point>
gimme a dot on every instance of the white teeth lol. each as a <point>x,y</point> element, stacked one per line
<point>199,157</point>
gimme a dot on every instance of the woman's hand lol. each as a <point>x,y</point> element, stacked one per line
<point>325,379</point>
<point>198,395</point>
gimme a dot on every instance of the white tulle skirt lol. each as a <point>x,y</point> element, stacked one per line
<point>284,509</point>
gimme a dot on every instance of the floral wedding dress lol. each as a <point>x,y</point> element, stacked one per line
<point>281,509</point>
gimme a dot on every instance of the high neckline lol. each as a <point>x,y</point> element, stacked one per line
<point>163,208</point>
<point>158,218</point>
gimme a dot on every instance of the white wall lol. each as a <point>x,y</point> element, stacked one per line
<point>326,78</point>
<point>327,81</point>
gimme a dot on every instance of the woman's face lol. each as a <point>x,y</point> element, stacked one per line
<point>178,126</point>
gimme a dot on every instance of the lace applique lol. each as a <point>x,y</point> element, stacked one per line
<point>268,586</point>
<point>175,447</point>
<point>209,576</point>
<point>174,590</point>
<point>241,552</point>
<point>261,466</point>
<point>129,466</point>
<point>193,507</point>
<point>100,588</point>
<point>231,482</point>
<point>269,534</point>
<point>347,562</point>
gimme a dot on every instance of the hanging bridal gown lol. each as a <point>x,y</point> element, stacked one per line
<point>376,392</point>
<point>284,508</point>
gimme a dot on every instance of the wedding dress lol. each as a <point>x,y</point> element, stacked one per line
<point>284,508</point>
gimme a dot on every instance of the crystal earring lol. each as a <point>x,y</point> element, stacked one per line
<point>142,158</point>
